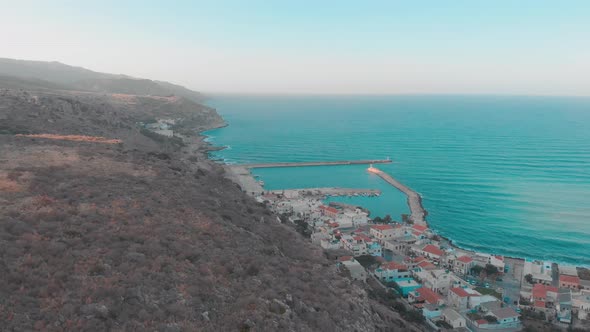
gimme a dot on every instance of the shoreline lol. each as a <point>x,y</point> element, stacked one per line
<point>415,200</point>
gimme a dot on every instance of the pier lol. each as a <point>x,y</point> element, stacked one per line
<point>241,173</point>
<point>327,191</point>
<point>418,213</point>
<point>315,163</point>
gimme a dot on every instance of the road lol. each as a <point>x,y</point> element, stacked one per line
<point>511,281</point>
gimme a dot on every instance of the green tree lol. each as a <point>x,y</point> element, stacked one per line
<point>491,270</point>
<point>387,219</point>
<point>476,270</point>
<point>377,220</point>
<point>529,278</point>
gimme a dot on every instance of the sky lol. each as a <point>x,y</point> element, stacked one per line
<point>315,47</point>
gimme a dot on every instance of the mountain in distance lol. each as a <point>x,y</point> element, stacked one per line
<point>56,75</point>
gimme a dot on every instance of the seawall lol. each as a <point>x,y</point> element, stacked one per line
<point>418,213</point>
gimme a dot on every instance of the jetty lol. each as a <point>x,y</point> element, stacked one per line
<point>241,173</point>
<point>418,214</point>
<point>315,163</point>
<point>327,191</point>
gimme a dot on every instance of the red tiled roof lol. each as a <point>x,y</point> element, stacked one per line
<point>419,259</point>
<point>465,259</point>
<point>426,265</point>
<point>416,233</point>
<point>540,304</point>
<point>362,237</point>
<point>481,321</point>
<point>329,209</point>
<point>499,257</point>
<point>394,266</point>
<point>382,227</point>
<point>345,258</point>
<point>428,295</point>
<point>539,291</point>
<point>460,292</point>
<point>432,249</point>
<point>419,228</point>
<point>569,279</point>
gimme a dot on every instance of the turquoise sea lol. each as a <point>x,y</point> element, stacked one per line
<point>505,175</point>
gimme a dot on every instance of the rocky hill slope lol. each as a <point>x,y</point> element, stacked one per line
<point>116,229</point>
<point>81,79</point>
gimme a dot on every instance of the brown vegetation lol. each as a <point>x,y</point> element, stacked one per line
<point>75,138</point>
<point>147,236</point>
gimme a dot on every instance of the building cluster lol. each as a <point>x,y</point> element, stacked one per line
<point>429,273</point>
<point>559,293</point>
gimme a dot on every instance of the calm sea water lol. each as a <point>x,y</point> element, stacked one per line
<point>506,175</point>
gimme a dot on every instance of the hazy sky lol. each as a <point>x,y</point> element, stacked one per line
<point>437,46</point>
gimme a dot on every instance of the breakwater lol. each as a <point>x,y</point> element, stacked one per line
<point>328,191</point>
<point>418,214</point>
<point>316,163</point>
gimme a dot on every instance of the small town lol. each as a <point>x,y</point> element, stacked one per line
<point>450,288</point>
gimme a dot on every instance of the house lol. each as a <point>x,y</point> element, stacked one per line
<point>431,311</point>
<point>329,211</point>
<point>463,298</point>
<point>374,248</point>
<point>563,306</point>
<point>463,265</point>
<point>582,304</point>
<point>406,285</point>
<point>357,244</point>
<point>412,262</point>
<point>488,306</point>
<point>390,271</point>
<point>453,318</point>
<point>432,251</point>
<point>386,232</point>
<point>543,294</point>
<point>357,271</point>
<point>568,270</point>
<point>437,280</point>
<point>569,281</point>
<point>497,261</point>
<point>355,218</point>
<point>418,231</point>
<point>541,272</point>
<point>426,266</point>
<point>425,295</point>
<point>506,316</point>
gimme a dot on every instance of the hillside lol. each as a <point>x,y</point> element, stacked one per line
<point>81,79</point>
<point>115,229</point>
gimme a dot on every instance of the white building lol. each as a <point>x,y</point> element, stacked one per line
<point>437,280</point>
<point>357,271</point>
<point>540,271</point>
<point>453,318</point>
<point>463,298</point>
